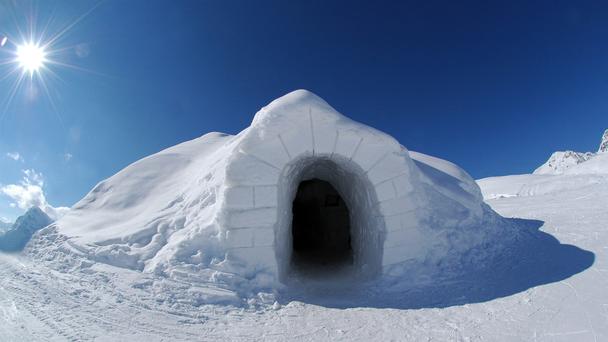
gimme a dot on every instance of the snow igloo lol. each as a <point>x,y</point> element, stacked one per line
<point>302,187</point>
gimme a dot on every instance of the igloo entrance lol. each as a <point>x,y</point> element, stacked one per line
<point>320,227</point>
<point>335,197</point>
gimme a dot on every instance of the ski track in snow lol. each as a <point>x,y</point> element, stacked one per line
<point>101,302</point>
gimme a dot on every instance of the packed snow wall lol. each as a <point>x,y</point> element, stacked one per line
<point>301,139</point>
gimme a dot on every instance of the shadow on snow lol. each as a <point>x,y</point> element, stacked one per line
<point>535,259</point>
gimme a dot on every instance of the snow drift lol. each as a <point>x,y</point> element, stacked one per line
<point>218,209</point>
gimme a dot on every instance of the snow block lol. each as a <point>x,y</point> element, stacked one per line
<point>265,196</point>
<point>347,144</point>
<point>239,197</point>
<point>258,258</point>
<point>239,238</point>
<point>252,217</point>
<point>263,237</point>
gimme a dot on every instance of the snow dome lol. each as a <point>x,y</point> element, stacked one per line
<point>302,188</point>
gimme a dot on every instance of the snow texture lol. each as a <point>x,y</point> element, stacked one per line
<point>217,209</point>
<point>546,288</point>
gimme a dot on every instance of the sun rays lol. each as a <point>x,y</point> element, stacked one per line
<point>31,58</point>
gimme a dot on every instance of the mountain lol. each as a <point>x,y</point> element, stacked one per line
<point>561,161</point>
<point>4,226</point>
<point>567,161</point>
<point>604,143</point>
<point>564,171</point>
<point>22,230</point>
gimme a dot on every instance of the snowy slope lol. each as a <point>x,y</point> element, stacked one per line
<point>22,230</point>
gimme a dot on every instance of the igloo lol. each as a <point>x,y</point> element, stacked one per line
<point>303,181</point>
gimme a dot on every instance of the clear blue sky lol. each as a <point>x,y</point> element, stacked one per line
<point>495,87</point>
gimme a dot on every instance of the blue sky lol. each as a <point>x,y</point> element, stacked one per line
<point>494,87</point>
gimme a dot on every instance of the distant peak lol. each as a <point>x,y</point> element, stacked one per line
<point>604,143</point>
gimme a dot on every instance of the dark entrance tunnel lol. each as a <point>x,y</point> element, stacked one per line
<point>320,228</point>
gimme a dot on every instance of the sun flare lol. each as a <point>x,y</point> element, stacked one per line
<point>31,57</point>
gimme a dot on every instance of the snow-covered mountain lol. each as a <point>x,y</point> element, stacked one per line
<point>604,143</point>
<point>22,230</point>
<point>4,226</point>
<point>565,161</point>
<point>560,161</point>
<point>564,171</point>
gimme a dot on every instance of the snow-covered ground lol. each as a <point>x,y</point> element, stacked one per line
<point>143,256</point>
<point>552,289</point>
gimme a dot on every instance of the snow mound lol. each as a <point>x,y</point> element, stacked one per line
<point>15,238</point>
<point>218,209</point>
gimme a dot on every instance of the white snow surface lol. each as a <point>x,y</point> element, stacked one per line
<point>146,256</point>
<point>215,212</point>
<point>549,288</point>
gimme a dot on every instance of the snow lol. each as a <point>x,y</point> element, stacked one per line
<point>15,238</point>
<point>560,162</point>
<point>5,225</point>
<point>192,243</point>
<point>570,162</point>
<point>552,288</point>
<point>557,175</point>
<point>604,144</point>
<point>217,209</point>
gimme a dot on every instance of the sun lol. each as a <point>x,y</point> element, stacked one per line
<point>31,57</point>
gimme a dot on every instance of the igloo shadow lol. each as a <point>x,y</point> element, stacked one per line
<point>535,258</point>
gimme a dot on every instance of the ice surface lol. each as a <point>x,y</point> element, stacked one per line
<point>217,209</point>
